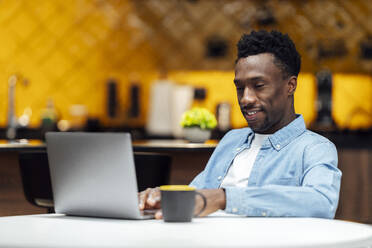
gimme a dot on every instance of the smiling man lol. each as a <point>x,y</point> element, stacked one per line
<point>275,167</point>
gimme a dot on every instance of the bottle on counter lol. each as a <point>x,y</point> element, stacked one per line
<point>49,118</point>
<point>11,131</point>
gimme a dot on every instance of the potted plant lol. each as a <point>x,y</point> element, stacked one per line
<point>197,124</point>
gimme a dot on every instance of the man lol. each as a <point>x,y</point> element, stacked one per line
<point>276,167</point>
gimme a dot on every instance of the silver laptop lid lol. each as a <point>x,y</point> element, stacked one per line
<point>93,174</point>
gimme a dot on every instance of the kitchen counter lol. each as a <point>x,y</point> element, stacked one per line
<point>173,145</point>
<point>342,140</point>
<point>21,145</point>
<point>138,146</point>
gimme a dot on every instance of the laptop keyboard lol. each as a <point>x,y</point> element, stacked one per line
<point>148,212</point>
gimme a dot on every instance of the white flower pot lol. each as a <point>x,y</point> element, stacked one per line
<point>196,134</point>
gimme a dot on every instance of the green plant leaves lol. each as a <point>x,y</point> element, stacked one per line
<point>199,117</point>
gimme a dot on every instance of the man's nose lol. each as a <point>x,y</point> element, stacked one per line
<point>249,97</point>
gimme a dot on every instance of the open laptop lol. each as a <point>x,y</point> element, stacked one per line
<point>93,174</point>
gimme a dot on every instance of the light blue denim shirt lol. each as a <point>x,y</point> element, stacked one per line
<point>295,173</point>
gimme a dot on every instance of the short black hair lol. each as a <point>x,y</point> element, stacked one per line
<point>280,45</point>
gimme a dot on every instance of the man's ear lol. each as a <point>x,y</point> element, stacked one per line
<point>292,85</point>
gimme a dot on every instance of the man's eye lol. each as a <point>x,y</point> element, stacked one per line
<point>259,85</point>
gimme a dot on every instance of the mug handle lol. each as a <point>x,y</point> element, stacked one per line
<point>204,203</point>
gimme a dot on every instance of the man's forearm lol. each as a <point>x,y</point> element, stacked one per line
<point>281,201</point>
<point>216,200</point>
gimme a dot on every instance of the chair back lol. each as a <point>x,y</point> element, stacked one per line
<point>35,177</point>
<point>152,169</point>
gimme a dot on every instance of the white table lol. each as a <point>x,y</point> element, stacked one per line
<point>215,231</point>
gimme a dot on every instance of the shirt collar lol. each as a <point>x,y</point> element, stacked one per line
<point>284,136</point>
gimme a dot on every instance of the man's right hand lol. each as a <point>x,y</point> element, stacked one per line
<point>150,199</point>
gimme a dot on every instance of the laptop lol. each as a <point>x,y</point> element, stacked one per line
<point>93,174</point>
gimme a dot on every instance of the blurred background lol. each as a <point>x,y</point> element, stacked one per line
<point>137,65</point>
<point>103,64</point>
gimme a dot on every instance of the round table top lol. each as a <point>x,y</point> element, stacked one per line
<point>55,230</point>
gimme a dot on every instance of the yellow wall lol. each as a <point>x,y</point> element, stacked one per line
<point>67,50</point>
<point>305,97</point>
<point>352,101</point>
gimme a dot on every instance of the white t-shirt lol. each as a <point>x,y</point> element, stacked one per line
<point>239,171</point>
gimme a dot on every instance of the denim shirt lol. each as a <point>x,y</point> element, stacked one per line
<point>295,173</point>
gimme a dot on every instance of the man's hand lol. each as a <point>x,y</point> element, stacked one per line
<point>150,199</point>
<point>216,200</point>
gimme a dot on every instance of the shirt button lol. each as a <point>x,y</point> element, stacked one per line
<point>278,146</point>
<point>263,214</point>
<point>234,210</point>
<point>219,178</point>
<point>238,149</point>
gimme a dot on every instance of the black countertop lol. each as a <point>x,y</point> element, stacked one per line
<point>138,146</point>
<point>345,139</point>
